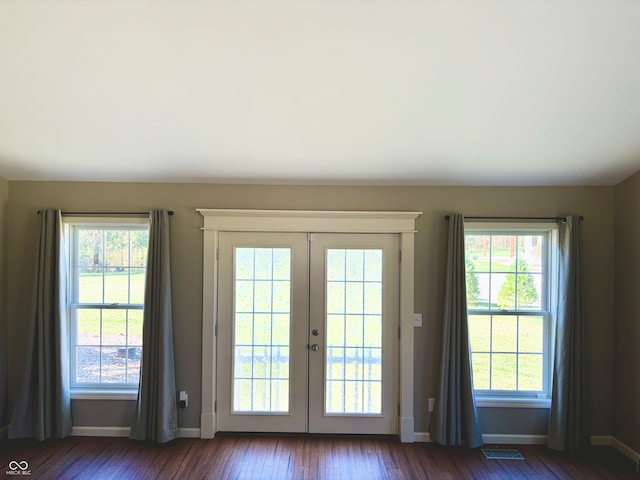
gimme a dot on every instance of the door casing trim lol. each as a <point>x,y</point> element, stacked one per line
<point>304,221</point>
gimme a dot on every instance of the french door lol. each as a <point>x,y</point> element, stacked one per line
<point>308,333</point>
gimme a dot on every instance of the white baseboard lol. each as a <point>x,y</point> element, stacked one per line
<point>494,438</point>
<point>124,432</point>
<point>515,439</point>
<point>422,437</point>
<point>100,431</point>
<point>626,451</point>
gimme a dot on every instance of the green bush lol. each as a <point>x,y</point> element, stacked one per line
<point>527,293</point>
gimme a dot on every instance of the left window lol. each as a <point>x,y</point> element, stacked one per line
<point>106,265</point>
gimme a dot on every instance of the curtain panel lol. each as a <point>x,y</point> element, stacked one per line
<point>454,420</point>
<point>156,407</point>
<point>42,405</point>
<point>569,415</point>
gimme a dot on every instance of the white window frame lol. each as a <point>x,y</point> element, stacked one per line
<point>524,399</point>
<point>92,391</point>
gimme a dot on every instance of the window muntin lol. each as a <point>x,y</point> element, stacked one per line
<point>107,263</point>
<point>509,274</point>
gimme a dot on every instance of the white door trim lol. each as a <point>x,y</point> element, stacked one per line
<point>218,220</point>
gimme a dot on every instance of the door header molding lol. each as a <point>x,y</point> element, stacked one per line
<point>318,221</point>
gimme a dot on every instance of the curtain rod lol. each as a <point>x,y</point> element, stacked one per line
<point>106,213</point>
<point>563,219</point>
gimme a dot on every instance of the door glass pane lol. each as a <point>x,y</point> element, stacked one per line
<point>262,322</point>
<point>353,361</point>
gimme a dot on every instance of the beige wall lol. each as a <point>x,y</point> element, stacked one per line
<point>595,203</point>
<point>4,197</point>
<point>627,324</point>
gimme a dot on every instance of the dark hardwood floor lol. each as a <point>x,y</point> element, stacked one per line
<point>257,457</point>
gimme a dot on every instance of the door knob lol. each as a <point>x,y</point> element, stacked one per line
<point>315,347</point>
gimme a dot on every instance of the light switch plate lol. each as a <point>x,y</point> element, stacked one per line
<point>417,319</point>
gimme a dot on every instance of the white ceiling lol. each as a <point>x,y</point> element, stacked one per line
<point>478,92</point>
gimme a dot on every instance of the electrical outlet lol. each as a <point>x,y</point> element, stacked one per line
<point>183,399</point>
<point>417,319</point>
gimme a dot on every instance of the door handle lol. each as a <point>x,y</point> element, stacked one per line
<point>315,347</point>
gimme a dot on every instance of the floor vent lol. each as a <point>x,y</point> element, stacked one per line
<point>502,454</point>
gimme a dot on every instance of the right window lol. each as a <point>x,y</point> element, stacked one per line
<point>510,276</point>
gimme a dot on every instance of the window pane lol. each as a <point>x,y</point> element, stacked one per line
<point>354,330</point>
<point>373,331</point>
<point>136,285</point>
<point>503,291</point>
<point>502,252</point>
<point>87,364</point>
<point>134,326</point>
<point>263,264</point>
<point>530,249</point>
<point>90,249</point>
<point>114,327</point>
<point>478,298</point>
<point>373,265</point>
<point>335,330</point>
<point>530,334</point>
<point>354,297</point>
<point>355,265</point>
<point>529,291</point>
<point>504,334</point>
<point>481,363</point>
<point>134,355</point>
<point>480,333</point>
<point>262,329</point>
<point>530,372</point>
<point>503,371</point>
<point>90,285</point>
<point>87,327</point>
<point>117,249</point>
<point>114,366</point>
<point>116,286</point>
<point>477,253</point>
<point>138,246</point>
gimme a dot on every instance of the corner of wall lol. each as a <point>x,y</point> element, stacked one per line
<point>4,342</point>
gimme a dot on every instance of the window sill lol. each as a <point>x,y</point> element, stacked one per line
<point>512,402</point>
<point>112,394</point>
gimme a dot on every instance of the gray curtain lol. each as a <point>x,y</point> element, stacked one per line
<point>42,406</point>
<point>454,420</point>
<point>156,407</point>
<point>569,416</point>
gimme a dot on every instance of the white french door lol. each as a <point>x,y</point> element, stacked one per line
<point>308,333</point>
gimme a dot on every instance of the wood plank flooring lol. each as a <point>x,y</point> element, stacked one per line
<point>256,457</point>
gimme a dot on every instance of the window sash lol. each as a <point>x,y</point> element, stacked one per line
<point>496,392</point>
<point>73,227</point>
<point>548,271</point>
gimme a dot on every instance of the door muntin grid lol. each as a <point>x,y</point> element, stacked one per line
<point>262,327</point>
<point>354,326</point>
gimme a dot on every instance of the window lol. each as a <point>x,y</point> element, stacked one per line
<point>510,278</point>
<point>107,262</point>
